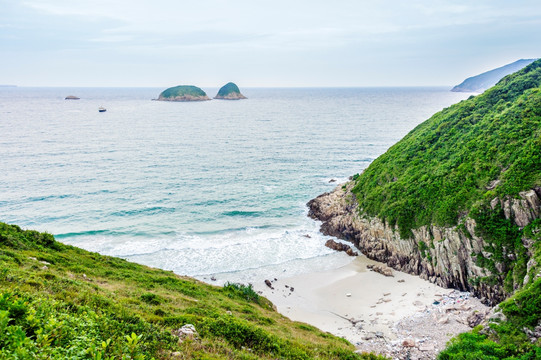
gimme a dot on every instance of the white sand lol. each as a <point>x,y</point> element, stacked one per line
<point>373,302</point>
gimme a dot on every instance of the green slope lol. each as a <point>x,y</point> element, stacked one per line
<point>442,169</point>
<point>450,167</point>
<point>61,302</point>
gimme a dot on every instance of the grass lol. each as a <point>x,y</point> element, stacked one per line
<point>62,302</point>
<point>506,339</point>
<point>441,169</point>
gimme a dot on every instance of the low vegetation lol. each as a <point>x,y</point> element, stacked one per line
<point>181,91</point>
<point>445,167</point>
<point>452,167</point>
<point>62,302</point>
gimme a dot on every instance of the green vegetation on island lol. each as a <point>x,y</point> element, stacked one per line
<point>183,93</point>
<point>62,302</point>
<point>229,91</point>
<point>481,82</point>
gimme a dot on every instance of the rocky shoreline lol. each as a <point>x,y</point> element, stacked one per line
<point>447,262</point>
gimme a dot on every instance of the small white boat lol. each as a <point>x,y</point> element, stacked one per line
<point>102,109</point>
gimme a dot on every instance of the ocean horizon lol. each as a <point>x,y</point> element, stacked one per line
<point>209,189</point>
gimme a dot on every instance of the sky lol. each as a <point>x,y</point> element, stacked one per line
<point>293,43</point>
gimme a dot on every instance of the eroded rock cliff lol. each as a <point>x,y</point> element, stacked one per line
<point>446,256</point>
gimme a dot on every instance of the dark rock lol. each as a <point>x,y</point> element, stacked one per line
<point>475,319</point>
<point>340,247</point>
<point>269,284</point>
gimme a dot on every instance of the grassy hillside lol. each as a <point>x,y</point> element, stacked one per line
<point>61,302</point>
<point>441,170</point>
<point>451,167</point>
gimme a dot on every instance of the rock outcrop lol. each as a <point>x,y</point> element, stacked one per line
<point>229,91</point>
<point>183,93</point>
<point>442,255</point>
<point>338,246</point>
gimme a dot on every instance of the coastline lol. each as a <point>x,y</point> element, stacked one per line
<point>400,316</point>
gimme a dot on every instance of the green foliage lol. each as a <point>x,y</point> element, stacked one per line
<point>182,90</point>
<point>474,346</point>
<point>87,306</point>
<point>14,236</point>
<point>229,88</point>
<point>242,291</point>
<point>506,339</point>
<point>442,168</point>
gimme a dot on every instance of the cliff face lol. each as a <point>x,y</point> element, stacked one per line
<point>445,256</point>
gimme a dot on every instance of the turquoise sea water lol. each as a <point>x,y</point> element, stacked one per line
<point>214,188</point>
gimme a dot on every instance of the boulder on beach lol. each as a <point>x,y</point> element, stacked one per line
<point>229,91</point>
<point>183,93</point>
<point>340,247</point>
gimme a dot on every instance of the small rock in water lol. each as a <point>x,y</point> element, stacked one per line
<point>332,180</point>
<point>401,280</point>
<point>213,278</point>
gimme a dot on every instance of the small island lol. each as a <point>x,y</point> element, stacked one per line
<point>72,97</point>
<point>229,91</point>
<point>183,93</point>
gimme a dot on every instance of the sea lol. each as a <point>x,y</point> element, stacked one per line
<point>216,190</point>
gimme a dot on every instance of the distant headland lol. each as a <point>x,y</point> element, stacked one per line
<point>229,91</point>
<point>481,82</point>
<point>183,93</point>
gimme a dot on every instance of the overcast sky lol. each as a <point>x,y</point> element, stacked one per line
<point>262,43</point>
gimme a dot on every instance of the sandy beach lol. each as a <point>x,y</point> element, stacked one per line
<point>400,315</point>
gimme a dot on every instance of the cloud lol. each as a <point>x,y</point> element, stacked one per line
<point>349,35</point>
